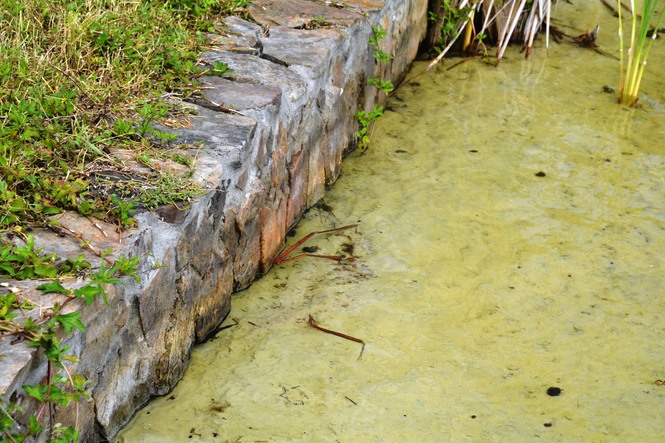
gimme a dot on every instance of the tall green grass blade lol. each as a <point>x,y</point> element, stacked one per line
<point>632,69</point>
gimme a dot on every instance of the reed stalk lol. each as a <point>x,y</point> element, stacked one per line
<point>632,66</point>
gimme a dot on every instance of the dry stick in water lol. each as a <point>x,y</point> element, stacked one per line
<point>312,323</point>
<point>282,258</point>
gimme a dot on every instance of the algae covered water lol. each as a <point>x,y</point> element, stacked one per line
<point>506,273</point>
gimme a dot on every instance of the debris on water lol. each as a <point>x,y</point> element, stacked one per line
<point>553,391</point>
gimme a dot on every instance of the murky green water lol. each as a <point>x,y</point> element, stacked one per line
<point>511,239</point>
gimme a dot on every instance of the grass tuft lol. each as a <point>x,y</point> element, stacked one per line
<point>82,78</point>
<point>632,66</point>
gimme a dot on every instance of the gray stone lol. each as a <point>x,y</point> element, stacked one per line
<point>238,36</point>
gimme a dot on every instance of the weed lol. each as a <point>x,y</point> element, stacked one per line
<point>384,86</point>
<point>632,68</point>
<point>366,122</point>
<point>448,21</point>
<point>317,22</point>
<point>24,262</point>
<point>79,78</point>
<point>378,34</point>
<point>60,387</point>
<point>365,119</point>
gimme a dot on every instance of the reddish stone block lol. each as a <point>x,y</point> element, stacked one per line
<point>297,201</point>
<point>273,231</point>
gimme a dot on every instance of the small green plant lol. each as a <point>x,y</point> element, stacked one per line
<point>60,387</point>
<point>124,210</point>
<point>25,262</point>
<point>632,67</point>
<point>317,22</point>
<point>378,34</point>
<point>448,22</point>
<point>384,86</point>
<point>366,121</point>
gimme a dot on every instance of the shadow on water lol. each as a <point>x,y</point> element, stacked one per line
<point>507,280</point>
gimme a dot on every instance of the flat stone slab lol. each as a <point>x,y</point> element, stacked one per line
<point>250,69</point>
<point>310,48</point>
<point>240,96</point>
<point>237,35</point>
<point>299,13</point>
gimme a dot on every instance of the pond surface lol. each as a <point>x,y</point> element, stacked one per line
<point>510,239</point>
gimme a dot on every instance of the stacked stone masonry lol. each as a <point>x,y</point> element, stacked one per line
<point>267,142</point>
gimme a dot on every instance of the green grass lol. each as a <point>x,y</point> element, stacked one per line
<point>80,78</point>
<point>632,65</point>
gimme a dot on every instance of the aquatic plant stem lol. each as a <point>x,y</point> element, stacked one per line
<point>631,72</point>
<point>313,323</point>
<point>283,257</point>
<point>452,42</point>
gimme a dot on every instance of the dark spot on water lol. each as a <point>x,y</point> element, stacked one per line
<point>310,249</point>
<point>608,160</point>
<point>414,84</point>
<point>401,151</point>
<point>172,397</point>
<point>324,206</point>
<point>348,248</point>
<point>473,150</point>
<point>291,233</point>
<point>547,425</point>
<point>553,391</point>
<point>473,416</point>
<point>216,407</point>
<point>653,33</point>
<point>540,174</point>
<point>608,89</point>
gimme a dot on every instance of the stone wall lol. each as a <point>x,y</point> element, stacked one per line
<point>267,142</point>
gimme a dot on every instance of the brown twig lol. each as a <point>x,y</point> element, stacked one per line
<point>312,323</point>
<point>96,225</point>
<point>307,254</point>
<point>283,257</point>
<point>60,229</point>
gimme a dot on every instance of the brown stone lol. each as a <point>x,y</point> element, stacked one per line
<point>273,231</point>
<point>298,187</point>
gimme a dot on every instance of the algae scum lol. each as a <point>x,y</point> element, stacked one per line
<point>508,275</point>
